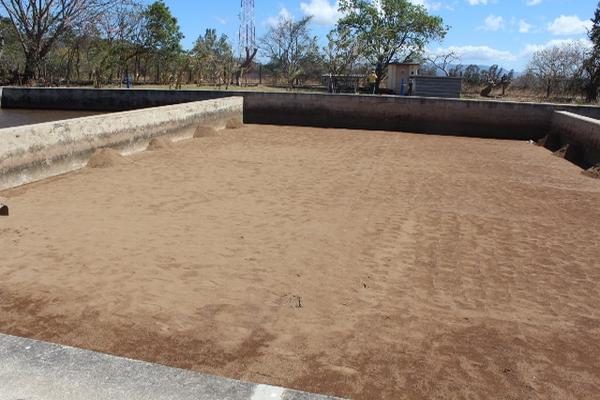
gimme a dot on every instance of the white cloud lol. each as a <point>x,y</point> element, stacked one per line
<point>283,15</point>
<point>524,27</point>
<point>533,2</point>
<point>322,11</point>
<point>478,54</point>
<point>430,5</point>
<point>569,25</point>
<point>220,20</point>
<point>532,48</point>
<point>492,23</point>
<point>477,2</point>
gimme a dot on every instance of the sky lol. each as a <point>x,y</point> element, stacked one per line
<point>484,32</point>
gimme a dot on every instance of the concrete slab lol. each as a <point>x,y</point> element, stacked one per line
<point>34,370</point>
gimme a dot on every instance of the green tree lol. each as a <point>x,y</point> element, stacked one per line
<point>390,30</point>
<point>472,75</point>
<point>591,66</point>
<point>162,36</point>
<point>213,58</point>
<point>12,58</point>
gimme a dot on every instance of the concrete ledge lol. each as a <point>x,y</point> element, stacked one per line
<point>36,370</point>
<point>578,135</point>
<point>34,152</point>
<point>477,118</point>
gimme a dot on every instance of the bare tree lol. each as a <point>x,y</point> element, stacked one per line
<point>443,61</point>
<point>120,37</point>
<point>341,52</point>
<point>557,64</point>
<point>39,24</point>
<point>290,48</point>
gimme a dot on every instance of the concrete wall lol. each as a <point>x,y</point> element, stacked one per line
<point>426,115</point>
<point>438,86</point>
<point>581,134</point>
<point>34,152</point>
<point>478,118</point>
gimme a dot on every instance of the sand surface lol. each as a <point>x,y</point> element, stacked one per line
<point>359,264</point>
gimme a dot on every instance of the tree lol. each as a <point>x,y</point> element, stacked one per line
<point>555,64</point>
<point>11,56</point>
<point>291,49</point>
<point>119,37</point>
<point>506,80</point>
<point>472,75</point>
<point>213,58</point>
<point>39,24</point>
<point>443,61</point>
<point>339,57</point>
<point>341,52</point>
<point>390,30</point>
<point>591,65</point>
<point>163,36</point>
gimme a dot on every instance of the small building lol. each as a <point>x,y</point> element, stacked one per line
<point>399,74</point>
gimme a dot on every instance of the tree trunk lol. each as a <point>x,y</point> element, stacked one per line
<point>31,66</point>
<point>379,73</point>
<point>591,89</point>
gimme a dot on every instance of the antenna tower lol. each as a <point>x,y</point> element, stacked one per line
<point>247,34</point>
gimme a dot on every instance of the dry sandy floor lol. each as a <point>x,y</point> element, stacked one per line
<point>360,264</point>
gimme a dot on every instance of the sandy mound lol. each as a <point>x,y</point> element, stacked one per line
<point>593,172</point>
<point>234,123</point>
<point>106,158</point>
<point>562,152</point>
<point>159,144</point>
<point>205,131</point>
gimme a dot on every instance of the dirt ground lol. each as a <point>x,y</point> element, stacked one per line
<point>360,264</point>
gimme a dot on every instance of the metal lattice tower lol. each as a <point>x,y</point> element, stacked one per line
<point>247,34</point>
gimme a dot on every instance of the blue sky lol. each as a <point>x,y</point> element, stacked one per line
<point>505,32</point>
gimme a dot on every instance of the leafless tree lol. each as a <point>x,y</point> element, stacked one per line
<point>290,48</point>
<point>120,37</point>
<point>341,52</point>
<point>443,61</point>
<point>40,23</point>
<point>557,64</point>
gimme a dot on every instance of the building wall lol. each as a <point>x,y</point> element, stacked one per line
<point>399,74</point>
<point>430,86</point>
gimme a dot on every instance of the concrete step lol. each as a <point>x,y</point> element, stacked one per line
<point>35,370</point>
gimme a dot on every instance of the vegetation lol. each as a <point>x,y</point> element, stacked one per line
<point>109,42</point>
<point>389,30</point>
<point>290,49</point>
<point>591,65</point>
